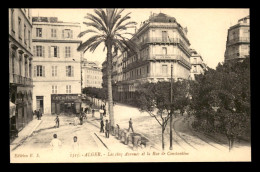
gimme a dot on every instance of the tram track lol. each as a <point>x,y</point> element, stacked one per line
<point>178,134</point>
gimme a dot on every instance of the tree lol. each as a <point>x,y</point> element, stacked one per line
<point>221,97</point>
<point>154,98</point>
<point>109,27</point>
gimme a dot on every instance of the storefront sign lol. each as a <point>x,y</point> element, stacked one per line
<point>65,97</point>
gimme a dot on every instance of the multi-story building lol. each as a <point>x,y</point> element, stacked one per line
<point>197,64</point>
<point>92,75</point>
<point>161,42</point>
<point>238,40</point>
<point>20,66</point>
<point>57,65</point>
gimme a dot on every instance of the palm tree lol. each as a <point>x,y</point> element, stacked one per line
<point>109,27</point>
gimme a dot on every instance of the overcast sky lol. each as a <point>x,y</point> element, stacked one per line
<point>207,28</point>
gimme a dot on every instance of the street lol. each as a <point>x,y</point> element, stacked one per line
<point>185,139</point>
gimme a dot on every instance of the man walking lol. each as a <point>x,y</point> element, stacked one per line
<point>102,126</point>
<point>57,120</point>
<point>130,125</point>
<point>107,129</point>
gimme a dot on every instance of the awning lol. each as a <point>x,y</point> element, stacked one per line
<point>12,109</point>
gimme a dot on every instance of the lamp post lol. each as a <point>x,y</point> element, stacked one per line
<point>171,111</point>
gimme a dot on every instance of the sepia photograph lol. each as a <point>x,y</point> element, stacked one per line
<point>96,85</point>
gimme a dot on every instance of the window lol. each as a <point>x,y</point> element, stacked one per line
<point>54,51</point>
<point>38,32</point>
<point>164,50</point>
<point>20,27</point>
<point>68,88</point>
<point>24,35</point>
<point>39,71</point>
<point>13,59</point>
<point>67,33</point>
<point>54,89</point>
<point>153,33</point>
<point>25,68</point>
<point>195,60</point>
<point>69,71</point>
<point>39,51</point>
<point>12,19</point>
<point>67,52</point>
<point>195,69</point>
<point>30,70</point>
<point>20,64</point>
<point>53,33</point>
<point>164,36</point>
<point>54,70</point>
<point>164,69</point>
<point>29,39</point>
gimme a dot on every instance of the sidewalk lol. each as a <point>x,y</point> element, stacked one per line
<point>111,143</point>
<point>25,133</point>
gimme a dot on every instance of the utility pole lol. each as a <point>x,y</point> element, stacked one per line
<point>171,111</point>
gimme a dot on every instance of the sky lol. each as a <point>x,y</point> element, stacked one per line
<point>207,27</point>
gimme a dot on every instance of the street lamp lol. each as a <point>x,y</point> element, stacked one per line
<point>171,111</point>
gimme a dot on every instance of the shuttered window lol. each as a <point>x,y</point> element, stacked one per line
<point>69,71</point>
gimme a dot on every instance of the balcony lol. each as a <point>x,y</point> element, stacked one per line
<point>238,40</point>
<point>171,57</point>
<point>166,40</point>
<point>20,80</point>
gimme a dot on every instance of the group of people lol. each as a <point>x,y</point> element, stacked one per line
<point>56,144</point>
<point>38,114</point>
<point>108,127</point>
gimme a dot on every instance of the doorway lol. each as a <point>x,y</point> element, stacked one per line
<point>39,103</point>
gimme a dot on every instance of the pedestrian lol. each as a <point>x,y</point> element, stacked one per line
<point>38,114</point>
<point>55,143</point>
<point>76,121</point>
<point>107,129</point>
<point>130,125</point>
<point>35,113</point>
<point>75,145</point>
<point>101,111</point>
<point>102,126</point>
<point>93,112</point>
<point>57,120</point>
<point>104,114</point>
<point>81,119</point>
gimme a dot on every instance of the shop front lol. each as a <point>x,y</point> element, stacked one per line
<point>65,103</point>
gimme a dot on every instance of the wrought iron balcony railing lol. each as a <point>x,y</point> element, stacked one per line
<point>18,79</point>
<point>239,40</point>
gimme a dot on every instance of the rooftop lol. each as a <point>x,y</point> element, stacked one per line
<point>49,20</point>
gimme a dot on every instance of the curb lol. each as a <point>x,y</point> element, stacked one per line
<point>15,146</point>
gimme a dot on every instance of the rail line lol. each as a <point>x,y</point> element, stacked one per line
<point>180,135</point>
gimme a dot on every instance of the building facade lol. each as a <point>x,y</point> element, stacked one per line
<point>57,66</point>
<point>238,40</point>
<point>197,64</point>
<point>92,74</point>
<point>161,42</point>
<point>20,66</point>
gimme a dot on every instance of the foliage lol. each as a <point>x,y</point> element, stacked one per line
<point>109,28</point>
<point>155,98</point>
<point>228,90</point>
<point>99,93</point>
